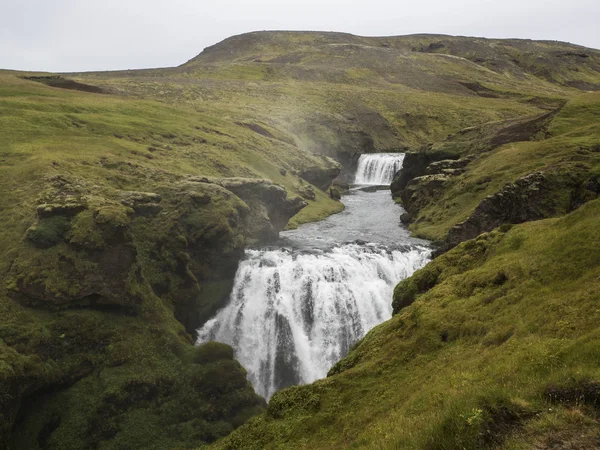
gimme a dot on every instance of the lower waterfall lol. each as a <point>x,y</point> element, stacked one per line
<point>378,168</point>
<point>297,307</point>
<point>293,315</point>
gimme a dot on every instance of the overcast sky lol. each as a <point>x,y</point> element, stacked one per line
<point>78,35</point>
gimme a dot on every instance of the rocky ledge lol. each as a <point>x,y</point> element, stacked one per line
<point>108,288</point>
<point>535,196</point>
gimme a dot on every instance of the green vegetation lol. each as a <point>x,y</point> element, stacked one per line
<point>127,199</point>
<point>341,95</point>
<point>565,150</point>
<point>498,349</point>
<point>118,240</point>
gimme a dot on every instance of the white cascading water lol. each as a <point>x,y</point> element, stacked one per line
<point>293,315</point>
<point>297,308</point>
<point>378,168</point>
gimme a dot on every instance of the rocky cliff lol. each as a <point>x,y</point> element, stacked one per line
<point>502,173</point>
<point>107,290</point>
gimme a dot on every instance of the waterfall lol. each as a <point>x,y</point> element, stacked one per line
<point>378,168</point>
<point>293,314</point>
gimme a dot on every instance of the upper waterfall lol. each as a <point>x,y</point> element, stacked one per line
<point>378,168</point>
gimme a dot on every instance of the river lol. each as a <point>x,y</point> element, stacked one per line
<point>298,306</point>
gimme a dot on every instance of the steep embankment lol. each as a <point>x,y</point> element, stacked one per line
<point>116,243</point>
<point>506,172</point>
<point>494,344</point>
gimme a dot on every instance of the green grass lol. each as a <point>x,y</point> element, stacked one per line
<point>569,149</point>
<point>469,362</point>
<point>90,297</point>
<point>126,144</point>
<point>322,89</point>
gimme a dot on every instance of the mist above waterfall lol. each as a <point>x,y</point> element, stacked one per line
<point>378,168</point>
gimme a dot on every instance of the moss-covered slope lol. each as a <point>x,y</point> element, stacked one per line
<point>127,198</point>
<point>342,95</point>
<point>493,345</point>
<point>505,172</point>
<point>123,221</point>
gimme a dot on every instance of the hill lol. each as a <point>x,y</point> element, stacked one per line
<point>342,95</point>
<point>492,344</point>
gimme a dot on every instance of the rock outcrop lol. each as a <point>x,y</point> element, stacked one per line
<point>422,190</point>
<point>423,179</point>
<point>415,165</point>
<point>319,177</point>
<point>117,283</point>
<point>535,196</point>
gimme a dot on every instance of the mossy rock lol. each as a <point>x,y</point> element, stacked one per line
<point>407,290</point>
<point>49,231</point>
<point>211,352</point>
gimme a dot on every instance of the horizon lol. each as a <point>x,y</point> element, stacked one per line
<point>300,31</point>
<point>68,36</point>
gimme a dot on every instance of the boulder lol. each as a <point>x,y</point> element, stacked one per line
<point>319,177</point>
<point>334,193</point>
<point>448,166</point>
<point>307,192</point>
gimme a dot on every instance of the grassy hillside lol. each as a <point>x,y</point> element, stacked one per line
<point>341,95</point>
<point>494,345</point>
<point>127,199</point>
<point>92,135</point>
<point>564,149</point>
<point>121,232</point>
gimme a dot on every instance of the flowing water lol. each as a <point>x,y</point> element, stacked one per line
<point>297,307</point>
<point>378,168</point>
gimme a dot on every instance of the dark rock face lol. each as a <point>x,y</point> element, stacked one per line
<point>422,190</point>
<point>532,197</point>
<point>526,199</point>
<point>422,178</point>
<point>415,165</point>
<point>320,178</point>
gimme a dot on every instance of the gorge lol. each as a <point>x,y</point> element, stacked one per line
<point>147,214</point>
<point>297,307</point>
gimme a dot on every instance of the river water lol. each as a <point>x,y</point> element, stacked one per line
<point>298,306</point>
